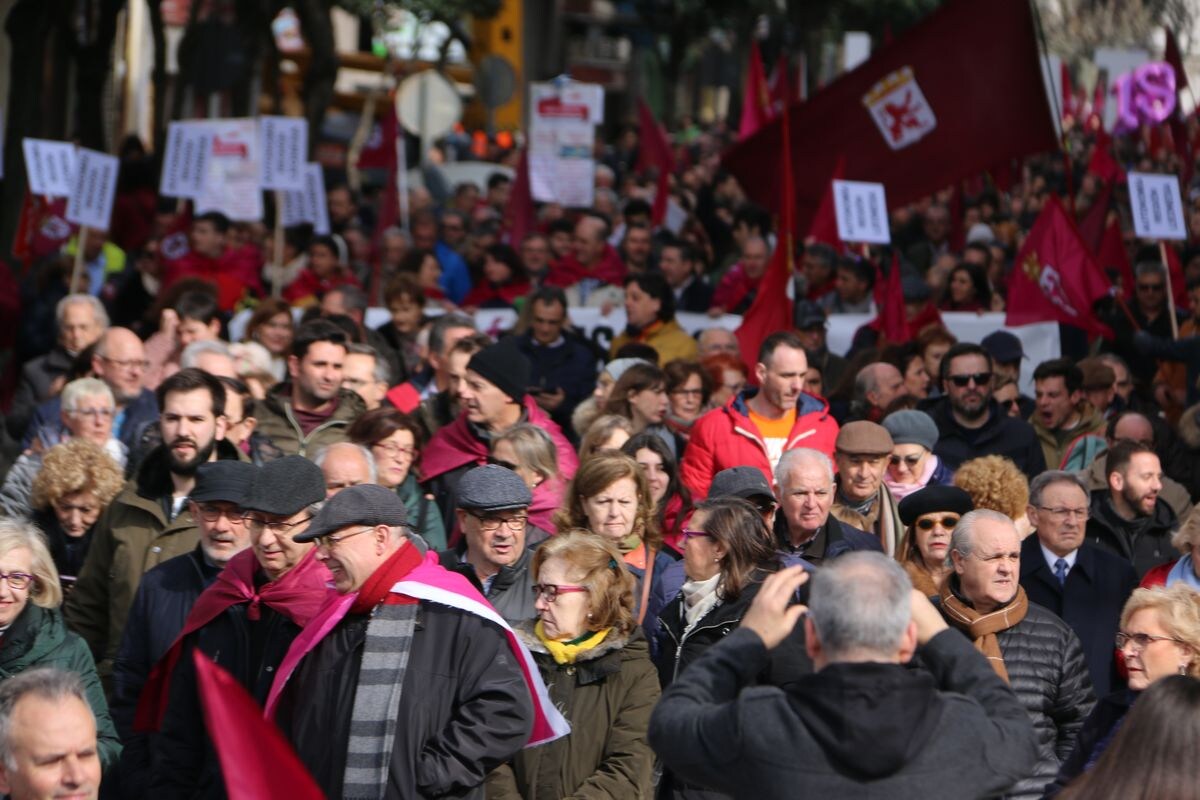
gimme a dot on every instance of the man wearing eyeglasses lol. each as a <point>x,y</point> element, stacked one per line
<point>166,594</point>
<point>407,667</point>
<point>498,540</point>
<point>971,423</point>
<point>1032,650</point>
<point>1084,585</point>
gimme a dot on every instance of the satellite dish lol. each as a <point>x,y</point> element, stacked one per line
<point>428,105</point>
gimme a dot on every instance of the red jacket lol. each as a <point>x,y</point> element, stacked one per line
<point>725,437</point>
<point>234,273</point>
<point>568,271</point>
<point>1158,575</point>
<point>734,286</point>
<point>487,295</point>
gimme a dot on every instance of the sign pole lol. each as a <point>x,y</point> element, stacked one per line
<point>277,282</point>
<point>77,271</point>
<point>1162,251</point>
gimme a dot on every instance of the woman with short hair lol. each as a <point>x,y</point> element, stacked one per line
<point>930,516</point>
<point>641,397</point>
<point>529,451</point>
<point>688,390</point>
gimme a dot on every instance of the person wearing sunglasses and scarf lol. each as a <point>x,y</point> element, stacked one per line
<point>912,465</point>
<point>929,516</point>
<point>595,661</point>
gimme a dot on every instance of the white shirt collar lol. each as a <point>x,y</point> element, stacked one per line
<point>1051,558</point>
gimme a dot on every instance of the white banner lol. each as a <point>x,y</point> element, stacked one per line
<point>1156,206</point>
<point>861,211</point>
<point>308,204</point>
<point>284,142</point>
<point>562,135</point>
<point>185,159</point>
<point>91,200</point>
<point>50,167</point>
<point>231,179</point>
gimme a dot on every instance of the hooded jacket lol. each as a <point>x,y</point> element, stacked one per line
<point>1055,443</point>
<point>852,730</point>
<point>277,424</point>
<point>1001,435</point>
<point>726,437</point>
<point>1144,549</point>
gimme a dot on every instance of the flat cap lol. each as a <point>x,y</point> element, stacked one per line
<point>364,504</point>
<point>1097,374</point>
<point>808,315</point>
<point>492,488</point>
<point>910,426</point>
<point>914,288</point>
<point>864,438</point>
<point>743,482</point>
<point>933,499</point>
<point>286,486</point>
<point>224,481</point>
<point>1003,347</point>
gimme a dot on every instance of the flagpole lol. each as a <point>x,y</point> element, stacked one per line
<point>277,283</point>
<point>1162,251</point>
<point>77,271</point>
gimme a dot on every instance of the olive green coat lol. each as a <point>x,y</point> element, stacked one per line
<point>277,423</point>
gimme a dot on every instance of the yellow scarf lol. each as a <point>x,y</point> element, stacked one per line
<point>567,652</point>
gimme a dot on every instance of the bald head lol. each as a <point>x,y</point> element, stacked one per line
<point>1132,427</point>
<point>345,464</point>
<point>878,384</point>
<point>718,340</point>
<point>120,361</point>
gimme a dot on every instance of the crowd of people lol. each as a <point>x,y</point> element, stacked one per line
<point>538,563</point>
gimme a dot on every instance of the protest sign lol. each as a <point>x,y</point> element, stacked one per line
<point>562,136</point>
<point>284,142</point>
<point>231,177</point>
<point>50,167</point>
<point>308,205</point>
<point>861,211</point>
<point>1156,206</point>
<point>91,200</point>
<point>185,159</point>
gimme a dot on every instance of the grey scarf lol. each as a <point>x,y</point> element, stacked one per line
<point>377,701</point>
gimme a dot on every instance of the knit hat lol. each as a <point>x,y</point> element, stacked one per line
<point>503,365</point>
<point>932,499</point>
<point>911,427</point>
<point>285,486</point>
<point>616,368</point>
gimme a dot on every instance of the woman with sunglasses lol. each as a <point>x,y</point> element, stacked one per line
<point>394,439</point>
<point>929,516</point>
<point>596,665</point>
<point>1159,636</point>
<point>913,465</point>
<point>672,501</point>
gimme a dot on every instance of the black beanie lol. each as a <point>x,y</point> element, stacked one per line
<point>505,366</point>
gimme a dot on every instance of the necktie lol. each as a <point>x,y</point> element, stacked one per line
<point>1060,571</point>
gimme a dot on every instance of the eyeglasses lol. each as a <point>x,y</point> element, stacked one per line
<point>500,462</point>
<point>1149,287</point>
<point>947,523</point>
<point>395,450</point>
<point>963,381</point>
<point>1014,403</point>
<point>1061,514</point>
<point>490,524</point>
<point>551,591</point>
<point>690,534</point>
<point>133,363</point>
<point>329,541</point>
<point>211,514</point>
<point>257,523</point>
<point>909,461</point>
<point>1140,641</point>
<point>17,580</point>
<point>98,413</point>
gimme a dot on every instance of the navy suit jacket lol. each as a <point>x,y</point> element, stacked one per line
<point>1090,602</point>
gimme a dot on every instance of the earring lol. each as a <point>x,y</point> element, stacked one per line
<point>589,616</point>
<point>1183,669</point>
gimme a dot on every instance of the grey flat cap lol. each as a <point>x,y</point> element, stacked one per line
<point>285,486</point>
<point>492,488</point>
<point>365,504</point>
<point>226,481</point>
<point>743,482</point>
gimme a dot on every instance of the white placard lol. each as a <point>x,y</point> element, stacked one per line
<point>185,159</point>
<point>562,136</point>
<point>231,177</point>
<point>284,142</point>
<point>91,200</point>
<point>50,167</point>
<point>308,205</point>
<point>861,210</point>
<point>1156,206</point>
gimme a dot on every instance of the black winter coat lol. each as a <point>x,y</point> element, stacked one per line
<point>1095,735</point>
<point>1146,549</point>
<point>1090,602</point>
<point>464,707</point>
<point>1001,435</point>
<point>511,590</point>
<point>571,366</point>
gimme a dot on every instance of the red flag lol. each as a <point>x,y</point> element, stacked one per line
<point>891,320</point>
<point>1178,283</point>
<point>256,761</point>
<point>782,93</point>
<point>771,311</point>
<point>1068,94</point>
<point>521,217</point>
<point>958,236</point>
<point>1102,164</point>
<point>1178,128</point>
<point>1054,278</point>
<point>756,99</point>
<point>1111,255</point>
<point>1092,226</point>
<point>1173,57</point>
<point>824,225</point>
<point>654,150</point>
<point>919,115</point>
<point>1099,96</point>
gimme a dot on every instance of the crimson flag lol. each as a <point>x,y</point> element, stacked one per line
<point>1102,164</point>
<point>891,320</point>
<point>824,225</point>
<point>256,761</point>
<point>922,113</point>
<point>1095,220</point>
<point>1054,278</point>
<point>1173,57</point>
<point>756,97</point>
<point>521,217</point>
<point>654,150</point>
<point>1178,128</point>
<point>1068,94</point>
<point>1111,255</point>
<point>1178,284</point>
<point>771,311</point>
<point>782,93</point>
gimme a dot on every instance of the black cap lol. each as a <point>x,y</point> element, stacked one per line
<point>224,481</point>
<point>505,366</point>
<point>492,488</point>
<point>743,482</point>
<point>364,504</point>
<point>914,288</point>
<point>1003,347</point>
<point>808,315</point>
<point>286,486</point>
<point>932,499</point>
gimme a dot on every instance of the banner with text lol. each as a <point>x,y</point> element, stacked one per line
<point>562,135</point>
<point>185,159</point>
<point>91,200</point>
<point>861,211</point>
<point>231,180</point>
<point>284,142</point>
<point>1156,206</point>
<point>50,167</point>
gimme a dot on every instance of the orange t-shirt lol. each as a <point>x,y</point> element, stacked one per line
<point>775,432</point>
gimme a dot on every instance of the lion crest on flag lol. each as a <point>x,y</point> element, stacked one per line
<point>900,109</point>
<point>1050,282</point>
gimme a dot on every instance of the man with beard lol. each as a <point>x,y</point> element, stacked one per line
<point>1128,517</point>
<point>970,423</point>
<point>311,409</point>
<point>149,522</point>
<point>165,597</point>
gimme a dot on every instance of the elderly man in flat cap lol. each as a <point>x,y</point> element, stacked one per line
<point>861,453</point>
<point>406,683</point>
<point>498,541</point>
<point>246,622</point>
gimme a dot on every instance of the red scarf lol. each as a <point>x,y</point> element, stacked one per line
<point>378,587</point>
<point>298,595</point>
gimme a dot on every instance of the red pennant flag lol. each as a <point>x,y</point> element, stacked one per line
<point>521,216</point>
<point>1068,94</point>
<point>782,94</point>
<point>891,320</point>
<point>1102,164</point>
<point>1054,278</point>
<point>824,225</point>
<point>771,311</point>
<point>1111,255</point>
<point>756,98</point>
<point>1178,128</point>
<point>256,761</point>
<point>1095,220</point>
<point>654,150</point>
<point>1178,283</point>
<point>1173,57</point>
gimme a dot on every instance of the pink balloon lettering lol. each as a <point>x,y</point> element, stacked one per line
<point>1144,96</point>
